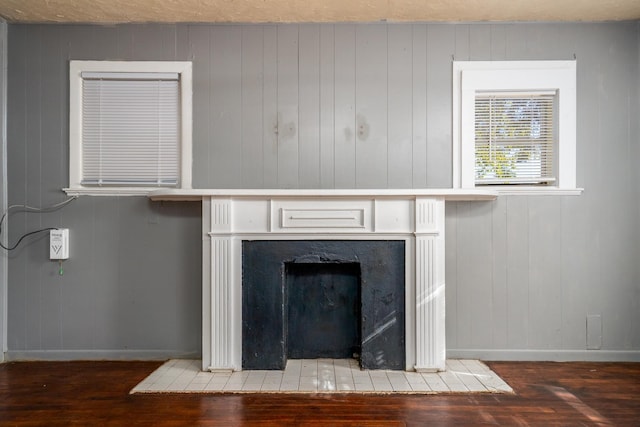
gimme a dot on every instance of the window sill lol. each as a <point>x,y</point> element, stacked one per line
<point>533,191</point>
<point>111,191</point>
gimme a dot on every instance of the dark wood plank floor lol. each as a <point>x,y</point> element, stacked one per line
<point>97,393</point>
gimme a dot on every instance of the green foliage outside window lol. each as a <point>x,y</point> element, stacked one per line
<point>513,137</point>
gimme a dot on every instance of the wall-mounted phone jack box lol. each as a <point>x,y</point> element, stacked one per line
<point>59,243</point>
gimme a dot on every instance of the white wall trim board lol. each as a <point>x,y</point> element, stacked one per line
<point>495,355</point>
<point>64,355</point>
<point>548,355</point>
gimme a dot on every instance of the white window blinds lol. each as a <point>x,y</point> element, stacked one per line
<point>130,129</point>
<point>515,138</point>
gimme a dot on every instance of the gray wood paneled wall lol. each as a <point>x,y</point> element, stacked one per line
<point>330,106</point>
<point>3,181</point>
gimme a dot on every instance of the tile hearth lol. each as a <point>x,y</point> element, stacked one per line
<point>323,376</point>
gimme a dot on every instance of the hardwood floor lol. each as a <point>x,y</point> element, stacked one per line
<point>97,393</point>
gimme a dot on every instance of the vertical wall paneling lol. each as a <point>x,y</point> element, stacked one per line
<point>112,295</point>
<point>53,148</point>
<point>574,275</point>
<point>3,184</point>
<point>498,43</point>
<point>80,39</point>
<point>474,275</point>
<point>125,42</point>
<point>270,106</point>
<point>33,171</point>
<point>345,105</point>
<point>16,151</point>
<point>133,226</point>
<point>327,106</point>
<point>225,153</point>
<point>440,47</point>
<point>182,43</point>
<point>517,260</point>
<point>619,187</point>
<point>288,101</point>
<point>399,107</point>
<point>309,153</point>
<point>200,54</point>
<point>148,320</point>
<point>588,175</point>
<point>251,119</point>
<point>106,237</point>
<point>371,106</point>
<point>104,40</point>
<point>451,273</point>
<point>419,105</point>
<point>515,43</point>
<point>462,43</point>
<point>154,42</point>
<point>545,274</point>
<point>594,69</point>
<point>479,42</point>
<point>78,286</point>
<point>552,44</point>
<point>634,111</point>
<point>588,85</point>
<point>499,286</point>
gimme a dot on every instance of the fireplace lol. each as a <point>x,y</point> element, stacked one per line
<point>414,218</point>
<point>308,299</point>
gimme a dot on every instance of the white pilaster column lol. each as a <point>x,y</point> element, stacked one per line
<point>430,285</point>
<point>221,282</point>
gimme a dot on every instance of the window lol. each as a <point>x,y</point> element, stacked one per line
<point>515,138</point>
<point>515,126</point>
<point>130,127</point>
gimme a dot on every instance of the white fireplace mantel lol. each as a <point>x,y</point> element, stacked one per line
<point>415,216</point>
<point>443,193</point>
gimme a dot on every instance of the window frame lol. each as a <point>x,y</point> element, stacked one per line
<point>76,68</point>
<point>470,77</point>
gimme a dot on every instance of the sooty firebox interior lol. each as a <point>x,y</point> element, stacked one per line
<point>323,299</point>
<point>323,310</point>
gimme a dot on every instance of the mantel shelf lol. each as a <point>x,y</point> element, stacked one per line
<point>442,193</point>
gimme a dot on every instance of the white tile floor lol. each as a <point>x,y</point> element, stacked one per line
<point>322,376</point>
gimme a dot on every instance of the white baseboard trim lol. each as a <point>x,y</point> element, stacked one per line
<point>547,355</point>
<point>482,354</point>
<point>68,355</point>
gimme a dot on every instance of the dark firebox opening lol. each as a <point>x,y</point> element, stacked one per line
<point>316,299</point>
<point>323,310</point>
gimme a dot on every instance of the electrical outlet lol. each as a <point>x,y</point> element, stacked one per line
<point>59,243</point>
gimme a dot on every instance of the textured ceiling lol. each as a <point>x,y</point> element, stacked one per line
<point>120,11</point>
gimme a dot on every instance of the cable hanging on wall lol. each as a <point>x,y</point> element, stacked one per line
<point>31,209</point>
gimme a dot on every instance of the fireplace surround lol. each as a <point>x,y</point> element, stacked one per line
<point>415,217</point>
